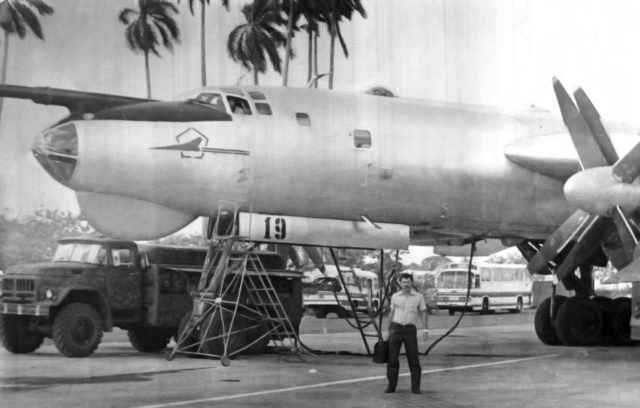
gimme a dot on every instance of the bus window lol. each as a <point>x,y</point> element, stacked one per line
<point>485,275</point>
<point>497,275</point>
<point>509,275</point>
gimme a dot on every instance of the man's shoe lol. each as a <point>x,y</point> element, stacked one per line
<point>390,390</point>
<point>416,391</point>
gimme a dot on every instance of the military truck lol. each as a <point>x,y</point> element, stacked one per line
<point>95,284</point>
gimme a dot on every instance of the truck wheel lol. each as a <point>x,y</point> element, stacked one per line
<point>16,336</point>
<point>149,339</point>
<point>77,330</point>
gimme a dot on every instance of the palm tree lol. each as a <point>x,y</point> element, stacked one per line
<point>309,9</point>
<point>17,17</point>
<point>332,12</point>
<point>148,26</point>
<point>203,59</point>
<point>248,42</point>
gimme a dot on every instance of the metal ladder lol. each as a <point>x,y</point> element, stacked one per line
<point>218,322</point>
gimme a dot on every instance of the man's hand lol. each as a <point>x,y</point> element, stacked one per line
<point>425,334</point>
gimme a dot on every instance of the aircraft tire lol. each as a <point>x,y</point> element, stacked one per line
<point>620,328</point>
<point>606,306</point>
<point>579,322</point>
<point>16,336</point>
<point>77,330</point>
<point>544,327</point>
<point>149,339</point>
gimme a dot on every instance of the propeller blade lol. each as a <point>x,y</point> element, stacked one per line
<point>628,168</point>
<point>625,231</point>
<point>557,241</point>
<point>589,152</point>
<point>315,254</point>
<point>592,117</point>
<point>586,244</point>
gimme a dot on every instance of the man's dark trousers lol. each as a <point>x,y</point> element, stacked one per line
<point>406,334</point>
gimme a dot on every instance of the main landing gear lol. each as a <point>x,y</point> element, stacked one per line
<point>584,319</point>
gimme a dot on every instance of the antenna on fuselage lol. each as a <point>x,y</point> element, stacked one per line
<point>314,80</point>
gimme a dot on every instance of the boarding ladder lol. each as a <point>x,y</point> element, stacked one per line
<point>236,307</point>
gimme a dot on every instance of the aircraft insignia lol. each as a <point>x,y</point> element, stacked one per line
<point>193,144</point>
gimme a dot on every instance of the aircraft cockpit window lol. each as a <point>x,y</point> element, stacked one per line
<point>362,139</point>
<point>213,99</point>
<point>257,96</point>
<point>263,108</point>
<point>303,119</point>
<point>238,106</point>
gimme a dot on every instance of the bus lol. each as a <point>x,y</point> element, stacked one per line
<point>493,287</point>
<point>319,298</point>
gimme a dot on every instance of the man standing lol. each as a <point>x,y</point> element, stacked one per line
<point>408,311</point>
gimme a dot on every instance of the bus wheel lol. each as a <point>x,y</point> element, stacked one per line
<point>545,330</point>
<point>518,308</point>
<point>579,322</point>
<point>485,306</point>
<point>451,312</point>
<point>321,313</point>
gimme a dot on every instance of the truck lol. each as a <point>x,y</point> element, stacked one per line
<point>94,284</point>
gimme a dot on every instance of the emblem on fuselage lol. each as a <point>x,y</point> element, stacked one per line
<point>192,144</point>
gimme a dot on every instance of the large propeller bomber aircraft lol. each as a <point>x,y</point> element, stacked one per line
<point>317,167</point>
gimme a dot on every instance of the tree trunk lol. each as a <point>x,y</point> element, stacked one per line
<point>315,58</point>
<point>255,76</point>
<point>310,56</point>
<point>148,74</point>
<point>287,55</point>
<point>333,49</point>
<point>203,57</point>
<point>5,58</point>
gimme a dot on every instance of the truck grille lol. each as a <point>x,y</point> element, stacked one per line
<point>18,289</point>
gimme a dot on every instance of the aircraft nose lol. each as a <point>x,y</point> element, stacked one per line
<point>56,150</point>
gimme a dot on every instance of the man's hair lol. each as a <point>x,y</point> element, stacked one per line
<point>406,276</point>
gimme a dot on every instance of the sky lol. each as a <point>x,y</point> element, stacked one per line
<point>491,52</point>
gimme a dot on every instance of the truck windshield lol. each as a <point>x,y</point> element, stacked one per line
<point>84,253</point>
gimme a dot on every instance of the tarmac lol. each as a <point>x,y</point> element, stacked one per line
<point>490,361</point>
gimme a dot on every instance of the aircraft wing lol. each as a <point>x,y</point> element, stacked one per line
<point>77,102</point>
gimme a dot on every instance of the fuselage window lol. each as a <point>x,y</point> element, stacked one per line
<point>257,96</point>
<point>263,108</point>
<point>213,99</point>
<point>238,106</point>
<point>303,119</point>
<point>362,138</point>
